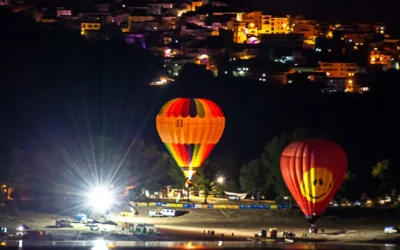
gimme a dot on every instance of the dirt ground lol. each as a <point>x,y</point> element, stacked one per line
<point>245,224</point>
<point>195,224</point>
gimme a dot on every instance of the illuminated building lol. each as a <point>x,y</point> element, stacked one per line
<point>85,27</point>
<point>351,86</point>
<point>379,29</point>
<point>48,20</point>
<point>158,8</point>
<point>63,12</point>
<point>341,76</point>
<point>132,38</point>
<point>208,62</point>
<point>337,69</point>
<point>171,52</point>
<point>307,28</point>
<point>358,39</point>
<point>138,19</point>
<point>380,57</point>
<point>255,23</point>
<point>174,64</point>
<point>275,25</point>
<point>195,4</point>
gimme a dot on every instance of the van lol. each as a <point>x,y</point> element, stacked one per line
<point>168,212</point>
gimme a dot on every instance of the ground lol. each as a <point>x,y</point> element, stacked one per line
<point>243,224</point>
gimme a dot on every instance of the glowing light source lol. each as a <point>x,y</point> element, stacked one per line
<point>100,199</point>
<point>221,179</point>
<point>253,40</point>
<point>203,56</point>
<point>100,244</point>
<point>167,53</point>
<point>189,245</point>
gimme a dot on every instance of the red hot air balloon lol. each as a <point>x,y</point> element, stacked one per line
<point>313,170</point>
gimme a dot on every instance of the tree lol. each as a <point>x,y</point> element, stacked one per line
<point>231,186</point>
<point>253,177</point>
<point>147,165</point>
<point>205,178</point>
<point>175,173</point>
<point>12,170</point>
<point>385,174</point>
<point>347,181</point>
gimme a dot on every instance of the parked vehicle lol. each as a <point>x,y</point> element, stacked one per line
<point>168,212</point>
<point>63,223</point>
<point>233,198</point>
<point>163,213</point>
<point>254,197</point>
<point>391,230</point>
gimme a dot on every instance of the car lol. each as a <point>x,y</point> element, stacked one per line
<point>168,212</point>
<point>261,197</point>
<point>63,223</point>
<point>233,198</point>
<point>391,230</point>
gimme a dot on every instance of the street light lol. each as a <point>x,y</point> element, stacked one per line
<point>220,180</point>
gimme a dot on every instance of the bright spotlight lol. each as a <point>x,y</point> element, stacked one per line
<point>100,199</point>
<point>100,244</point>
<point>220,180</point>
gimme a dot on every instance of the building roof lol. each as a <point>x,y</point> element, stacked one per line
<point>138,12</point>
<point>211,42</point>
<point>219,18</point>
<point>192,26</point>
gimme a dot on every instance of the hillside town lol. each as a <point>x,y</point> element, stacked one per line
<point>253,45</point>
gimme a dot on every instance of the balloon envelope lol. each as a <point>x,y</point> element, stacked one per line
<point>190,128</point>
<point>313,170</point>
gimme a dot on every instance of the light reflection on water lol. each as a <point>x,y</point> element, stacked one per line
<point>95,245</point>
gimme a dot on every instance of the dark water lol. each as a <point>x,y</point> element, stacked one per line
<point>104,245</point>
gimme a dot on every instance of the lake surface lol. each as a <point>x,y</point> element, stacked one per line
<point>104,245</point>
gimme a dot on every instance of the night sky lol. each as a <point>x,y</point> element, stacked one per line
<point>54,82</point>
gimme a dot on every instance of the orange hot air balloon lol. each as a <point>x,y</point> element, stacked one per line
<point>313,170</point>
<point>190,128</point>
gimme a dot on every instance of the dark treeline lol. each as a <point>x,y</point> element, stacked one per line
<point>58,88</point>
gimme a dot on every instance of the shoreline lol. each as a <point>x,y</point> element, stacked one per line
<point>245,237</point>
<point>194,226</point>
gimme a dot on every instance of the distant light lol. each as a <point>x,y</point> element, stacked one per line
<point>123,6</point>
<point>203,56</point>
<point>221,180</point>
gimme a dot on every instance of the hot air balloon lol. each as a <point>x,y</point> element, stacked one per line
<point>190,128</point>
<point>313,170</point>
